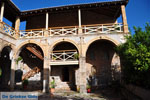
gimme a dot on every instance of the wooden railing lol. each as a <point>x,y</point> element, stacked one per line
<point>64,31</point>
<point>35,33</point>
<point>7,29</point>
<point>64,55</point>
<point>103,28</point>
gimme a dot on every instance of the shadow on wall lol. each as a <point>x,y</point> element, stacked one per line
<point>5,65</point>
<point>103,64</point>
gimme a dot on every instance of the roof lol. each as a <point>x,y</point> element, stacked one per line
<point>15,11</point>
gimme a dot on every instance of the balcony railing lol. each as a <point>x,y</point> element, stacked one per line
<point>64,55</point>
<point>7,29</point>
<point>64,31</point>
<point>32,33</point>
<point>103,28</point>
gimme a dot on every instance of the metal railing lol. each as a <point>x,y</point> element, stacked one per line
<point>64,55</point>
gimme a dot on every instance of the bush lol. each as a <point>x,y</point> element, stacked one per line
<point>135,57</point>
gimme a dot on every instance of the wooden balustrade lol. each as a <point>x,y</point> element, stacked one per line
<point>63,31</point>
<point>64,55</point>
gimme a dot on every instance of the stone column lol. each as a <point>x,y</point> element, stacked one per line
<point>12,77</point>
<point>124,19</point>
<point>17,26</point>
<point>79,21</point>
<point>2,11</point>
<point>46,71</point>
<point>82,68</point>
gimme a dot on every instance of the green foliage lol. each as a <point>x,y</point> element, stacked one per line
<point>19,59</point>
<point>52,84</point>
<point>76,56</point>
<point>135,57</point>
<point>25,82</point>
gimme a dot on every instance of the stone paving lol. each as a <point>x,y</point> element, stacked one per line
<point>106,94</point>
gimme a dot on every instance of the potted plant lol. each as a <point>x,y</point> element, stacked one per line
<point>88,88</point>
<point>76,56</point>
<point>25,84</point>
<point>52,85</point>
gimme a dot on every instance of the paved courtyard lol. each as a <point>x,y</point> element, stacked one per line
<point>104,94</point>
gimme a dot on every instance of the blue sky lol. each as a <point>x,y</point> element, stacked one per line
<point>138,11</point>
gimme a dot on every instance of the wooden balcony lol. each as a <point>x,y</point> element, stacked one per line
<point>64,57</point>
<point>63,31</point>
<point>5,28</point>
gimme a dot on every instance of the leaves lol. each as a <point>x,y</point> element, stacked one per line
<point>135,55</point>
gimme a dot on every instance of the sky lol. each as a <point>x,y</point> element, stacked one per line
<point>137,11</point>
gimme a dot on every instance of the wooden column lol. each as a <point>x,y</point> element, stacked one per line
<point>79,21</point>
<point>17,26</point>
<point>2,11</point>
<point>124,19</point>
<point>46,25</point>
<point>17,23</point>
<point>47,18</point>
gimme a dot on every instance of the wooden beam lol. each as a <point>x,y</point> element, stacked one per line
<point>35,52</point>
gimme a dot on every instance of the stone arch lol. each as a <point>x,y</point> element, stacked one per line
<point>27,42</point>
<point>100,38</point>
<point>102,62</point>
<point>64,40</point>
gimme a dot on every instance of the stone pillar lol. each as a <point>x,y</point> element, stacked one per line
<point>2,11</point>
<point>79,21</point>
<point>12,77</point>
<point>124,19</point>
<point>82,68</point>
<point>46,71</point>
<point>17,26</point>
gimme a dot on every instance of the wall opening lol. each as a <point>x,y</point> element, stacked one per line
<point>103,64</point>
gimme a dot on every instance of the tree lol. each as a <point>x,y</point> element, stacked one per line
<point>135,57</point>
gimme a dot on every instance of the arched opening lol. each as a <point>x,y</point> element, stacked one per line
<point>30,68</point>
<point>103,64</point>
<point>64,65</point>
<point>5,68</point>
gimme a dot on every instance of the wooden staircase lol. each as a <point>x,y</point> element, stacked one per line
<point>35,70</point>
<point>30,73</point>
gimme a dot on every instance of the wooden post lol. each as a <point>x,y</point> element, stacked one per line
<point>47,18</point>
<point>124,19</point>
<point>17,26</point>
<point>79,21</point>
<point>2,12</point>
<point>46,25</point>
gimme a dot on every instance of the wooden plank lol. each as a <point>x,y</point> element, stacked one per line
<point>35,52</point>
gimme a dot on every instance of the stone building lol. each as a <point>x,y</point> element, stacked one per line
<point>73,43</point>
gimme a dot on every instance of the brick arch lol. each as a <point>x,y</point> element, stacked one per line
<point>63,40</point>
<point>27,42</point>
<point>100,38</point>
